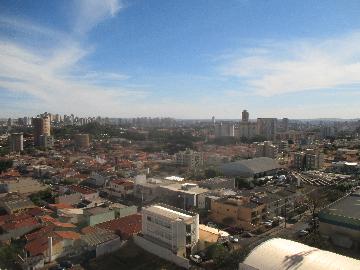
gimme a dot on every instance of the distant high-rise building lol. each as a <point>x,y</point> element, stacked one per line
<point>267,127</point>
<point>16,142</point>
<point>82,141</point>
<point>41,127</point>
<point>245,116</point>
<point>285,124</point>
<point>213,120</point>
<point>224,130</point>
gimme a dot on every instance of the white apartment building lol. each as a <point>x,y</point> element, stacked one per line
<point>171,228</point>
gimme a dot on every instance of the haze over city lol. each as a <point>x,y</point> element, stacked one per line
<point>182,59</point>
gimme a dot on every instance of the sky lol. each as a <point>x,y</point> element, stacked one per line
<point>180,58</point>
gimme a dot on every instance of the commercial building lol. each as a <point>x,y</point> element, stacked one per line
<point>16,142</point>
<point>41,127</point>
<point>266,149</point>
<point>171,228</point>
<point>183,195</point>
<point>340,221</point>
<point>82,141</point>
<point>190,159</point>
<point>283,254</point>
<point>238,211</point>
<point>250,168</point>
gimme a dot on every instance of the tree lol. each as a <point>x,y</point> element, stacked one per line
<point>5,165</point>
<point>315,200</point>
<point>229,221</point>
<point>217,253</point>
<point>211,173</point>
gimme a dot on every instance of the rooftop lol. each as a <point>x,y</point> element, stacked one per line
<point>168,212</point>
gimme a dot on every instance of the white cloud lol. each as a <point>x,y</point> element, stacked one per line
<point>52,77</point>
<point>92,12</point>
<point>302,65</point>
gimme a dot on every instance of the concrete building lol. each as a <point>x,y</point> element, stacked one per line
<point>82,141</point>
<point>171,228</point>
<point>223,129</point>
<point>16,142</point>
<point>238,211</point>
<point>98,215</point>
<point>46,141</point>
<point>183,195</point>
<point>246,130</point>
<point>267,127</point>
<point>340,221</point>
<point>245,116</point>
<point>23,185</point>
<point>266,149</point>
<point>308,160</point>
<point>41,127</point>
<point>190,159</point>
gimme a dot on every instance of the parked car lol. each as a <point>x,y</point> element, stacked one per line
<point>233,239</point>
<point>66,264</point>
<point>212,225</point>
<point>195,258</point>
<point>57,267</point>
<point>302,233</point>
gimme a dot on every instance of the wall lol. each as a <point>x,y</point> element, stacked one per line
<point>71,199</point>
<point>100,218</point>
<point>161,252</point>
<point>108,247</point>
<point>127,211</point>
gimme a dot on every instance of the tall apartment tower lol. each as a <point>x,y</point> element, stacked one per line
<point>245,116</point>
<point>16,142</point>
<point>41,128</point>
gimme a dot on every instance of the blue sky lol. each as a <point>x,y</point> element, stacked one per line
<point>184,59</point>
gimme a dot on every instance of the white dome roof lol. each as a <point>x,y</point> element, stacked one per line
<point>277,254</point>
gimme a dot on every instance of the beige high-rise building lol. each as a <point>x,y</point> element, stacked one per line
<point>41,127</point>
<point>16,142</point>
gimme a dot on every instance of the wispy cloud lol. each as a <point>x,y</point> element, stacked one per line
<point>92,12</point>
<point>53,77</point>
<point>298,65</point>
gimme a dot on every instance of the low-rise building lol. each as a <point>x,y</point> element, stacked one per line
<point>171,228</point>
<point>21,185</point>
<point>238,211</point>
<point>340,221</point>
<point>96,215</point>
<point>266,149</point>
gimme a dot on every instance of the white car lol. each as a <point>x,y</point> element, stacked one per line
<point>303,233</point>
<point>233,239</point>
<point>195,258</point>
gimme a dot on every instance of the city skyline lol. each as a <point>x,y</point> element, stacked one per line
<point>183,60</point>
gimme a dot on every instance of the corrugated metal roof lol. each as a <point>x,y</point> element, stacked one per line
<point>278,254</point>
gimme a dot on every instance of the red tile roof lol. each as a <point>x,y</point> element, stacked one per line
<point>122,182</point>
<point>40,245</point>
<point>49,219</point>
<point>68,235</point>
<point>13,225</point>
<point>82,189</point>
<point>125,226</point>
<point>44,231</point>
